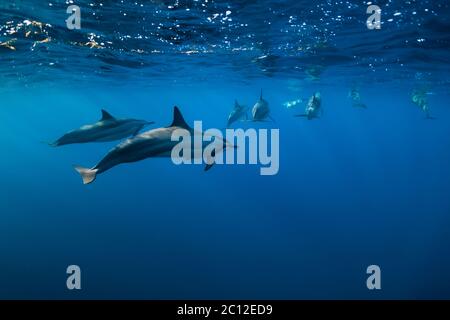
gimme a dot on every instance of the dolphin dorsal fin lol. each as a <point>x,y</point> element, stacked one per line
<point>178,120</point>
<point>106,115</point>
<point>261,96</point>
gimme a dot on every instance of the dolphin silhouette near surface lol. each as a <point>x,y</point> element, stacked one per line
<point>108,128</point>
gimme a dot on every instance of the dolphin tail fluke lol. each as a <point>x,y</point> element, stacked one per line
<point>88,175</point>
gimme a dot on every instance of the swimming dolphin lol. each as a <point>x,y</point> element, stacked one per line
<point>313,107</point>
<point>156,143</point>
<point>239,112</point>
<point>107,128</point>
<point>261,111</point>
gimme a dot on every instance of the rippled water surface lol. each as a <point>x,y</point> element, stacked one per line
<point>166,39</point>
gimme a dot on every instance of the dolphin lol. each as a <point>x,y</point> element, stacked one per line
<point>239,112</point>
<point>108,128</point>
<point>313,107</point>
<point>356,98</point>
<point>156,143</point>
<point>419,97</point>
<point>261,111</point>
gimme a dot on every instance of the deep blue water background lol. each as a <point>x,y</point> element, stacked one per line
<point>356,187</point>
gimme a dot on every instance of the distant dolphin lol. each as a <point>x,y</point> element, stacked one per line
<point>356,98</point>
<point>419,97</point>
<point>155,143</point>
<point>239,112</point>
<point>261,111</point>
<point>107,128</point>
<point>313,107</point>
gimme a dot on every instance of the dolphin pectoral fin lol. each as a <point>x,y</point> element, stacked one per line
<point>106,115</point>
<point>88,175</point>
<point>210,160</point>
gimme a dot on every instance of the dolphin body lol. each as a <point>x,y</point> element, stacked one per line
<point>356,98</point>
<point>313,107</point>
<point>239,112</point>
<point>156,143</point>
<point>108,128</point>
<point>261,110</point>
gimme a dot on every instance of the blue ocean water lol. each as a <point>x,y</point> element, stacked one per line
<point>356,187</point>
